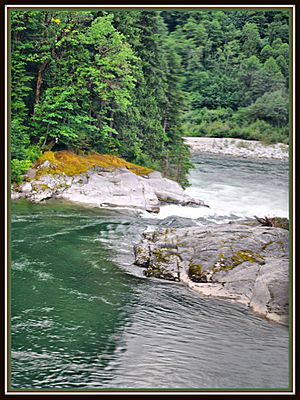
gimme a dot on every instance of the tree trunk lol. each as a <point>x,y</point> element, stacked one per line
<point>111,122</point>
<point>39,83</point>
<point>165,124</point>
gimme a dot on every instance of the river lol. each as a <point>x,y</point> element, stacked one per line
<point>84,317</point>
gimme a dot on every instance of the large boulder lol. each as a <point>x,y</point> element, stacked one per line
<point>169,191</point>
<point>108,187</point>
<point>117,188</point>
<point>242,261</point>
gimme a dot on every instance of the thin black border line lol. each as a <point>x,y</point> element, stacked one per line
<point>291,9</point>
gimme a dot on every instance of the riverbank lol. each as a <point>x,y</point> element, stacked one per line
<point>238,147</point>
<point>101,181</point>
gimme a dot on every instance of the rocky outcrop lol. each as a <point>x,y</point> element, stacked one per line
<point>104,187</point>
<point>238,147</point>
<point>245,262</point>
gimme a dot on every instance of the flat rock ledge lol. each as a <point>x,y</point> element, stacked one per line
<point>103,187</point>
<point>243,261</point>
<point>238,148</point>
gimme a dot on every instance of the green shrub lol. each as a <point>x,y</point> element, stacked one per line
<point>18,167</point>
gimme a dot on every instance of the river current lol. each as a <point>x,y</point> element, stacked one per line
<point>84,317</point>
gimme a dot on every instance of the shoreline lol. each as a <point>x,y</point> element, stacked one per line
<point>238,148</point>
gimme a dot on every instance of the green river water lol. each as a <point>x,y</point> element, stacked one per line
<point>84,317</point>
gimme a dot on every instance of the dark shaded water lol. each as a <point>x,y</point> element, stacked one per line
<point>83,317</point>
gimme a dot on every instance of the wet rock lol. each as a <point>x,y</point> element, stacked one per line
<point>247,263</point>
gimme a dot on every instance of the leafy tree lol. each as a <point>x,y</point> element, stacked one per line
<point>272,107</point>
<point>251,39</point>
<point>133,82</point>
<point>272,78</point>
<point>266,52</point>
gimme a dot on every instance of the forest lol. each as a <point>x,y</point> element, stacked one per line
<point>132,83</point>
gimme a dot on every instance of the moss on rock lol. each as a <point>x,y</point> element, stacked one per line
<point>196,273</point>
<point>226,263</point>
<point>156,270</point>
<point>73,164</point>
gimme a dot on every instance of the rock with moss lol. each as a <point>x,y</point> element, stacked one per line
<point>108,187</point>
<point>141,254</point>
<point>277,222</point>
<point>247,263</point>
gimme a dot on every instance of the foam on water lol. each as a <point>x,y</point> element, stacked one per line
<point>234,189</point>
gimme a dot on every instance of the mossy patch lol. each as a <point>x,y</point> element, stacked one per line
<point>237,258</point>
<point>72,164</point>
<point>160,256</point>
<point>196,273</point>
<point>157,271</point>
<point>243,255</point>
<point>40,186</point>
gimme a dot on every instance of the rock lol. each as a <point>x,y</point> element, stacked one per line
<point>45,164</point>
<point>43,188</point>
<point>270,291</point>
<point>110,188</point>
<point>141,254</point>
<point>81,179</point>
<point>238,261</point>
<point>188,201</point>
<point>176,221</point>
<point>41,195</point>
<point>169,191</point>
<point>26,187</point>
<point>16,195</point>
<point>30,173</point>
<point>238,147</point>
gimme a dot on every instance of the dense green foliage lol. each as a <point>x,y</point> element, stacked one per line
<point>236,72</point>
<point>132,83</point>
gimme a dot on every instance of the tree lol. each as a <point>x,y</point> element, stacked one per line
<point>271,107</point>
<point>133,82</point>
<point>96,60</point>
<point>271,78</point>
<point>251,39</point>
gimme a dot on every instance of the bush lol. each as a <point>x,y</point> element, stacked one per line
<point>18,167</point>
